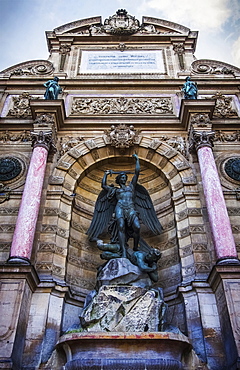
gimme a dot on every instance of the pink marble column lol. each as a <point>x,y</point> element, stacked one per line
<point>218,216</point>
<point>21,248</point>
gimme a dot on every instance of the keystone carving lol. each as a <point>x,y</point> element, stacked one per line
<point>122,136</point>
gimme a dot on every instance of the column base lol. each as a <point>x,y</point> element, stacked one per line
<point>228,261</point>
<point>19,260</point>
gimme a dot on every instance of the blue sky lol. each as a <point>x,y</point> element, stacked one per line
<point>23,24</point>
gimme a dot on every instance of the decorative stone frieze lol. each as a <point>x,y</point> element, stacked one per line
<point>22,136</point>
<point>221,136</point>
<point>21,106</point>
<point>122,105</point>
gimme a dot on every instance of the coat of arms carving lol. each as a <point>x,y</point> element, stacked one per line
<point>121,23</point>
<point>122,136</point>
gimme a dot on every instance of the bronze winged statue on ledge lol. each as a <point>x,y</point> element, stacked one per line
<point>120,209</point>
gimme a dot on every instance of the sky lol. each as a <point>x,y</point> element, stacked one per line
<point>23,24</point>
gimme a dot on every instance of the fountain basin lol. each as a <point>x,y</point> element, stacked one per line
<point>137,351</point>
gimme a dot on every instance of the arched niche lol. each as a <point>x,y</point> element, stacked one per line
<point>167,176</point>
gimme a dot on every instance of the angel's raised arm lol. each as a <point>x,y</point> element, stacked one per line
<point>104,180</point>
<point>137,170</point>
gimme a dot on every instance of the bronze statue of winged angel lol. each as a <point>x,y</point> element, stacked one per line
<point>120,209</point>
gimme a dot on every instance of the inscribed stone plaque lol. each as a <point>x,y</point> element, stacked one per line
<point>136,61</point>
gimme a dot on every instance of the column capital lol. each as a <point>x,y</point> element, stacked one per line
<point>199,139</point>
<point>43,139</point>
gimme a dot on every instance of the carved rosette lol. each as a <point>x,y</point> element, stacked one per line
<point>122,136</point>
<point>199,139</point>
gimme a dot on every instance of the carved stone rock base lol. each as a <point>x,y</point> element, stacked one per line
<point>124,309</point>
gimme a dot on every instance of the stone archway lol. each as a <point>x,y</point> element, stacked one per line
<point>168,176</point>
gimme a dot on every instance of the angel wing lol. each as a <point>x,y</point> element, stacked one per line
<point>144,206</point>
<point>103,211</point>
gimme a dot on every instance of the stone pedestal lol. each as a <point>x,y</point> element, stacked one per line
<point>225,282</point>
<point>16,286</point>
<point>112,351</point>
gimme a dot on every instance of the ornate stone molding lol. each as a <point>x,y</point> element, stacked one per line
<point>44,120</point>
<point>21,106</point>
<point>200,120</point>
<point>213,67</point>
<point>221,136</point>
<point>122,105</point>
<point>199,139</point>
<point>4,192</point>
<point>121,136</point>
<point>224,106</point>
<point>179,49</point>
<point>34,67</point>
<point>68,142</point>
